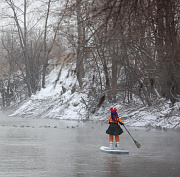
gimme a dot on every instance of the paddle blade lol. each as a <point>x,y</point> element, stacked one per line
<point>137,144</point>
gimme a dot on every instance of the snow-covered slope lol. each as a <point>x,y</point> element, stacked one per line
<point>64,100</point>
<point>57,100</point>
<point>159,116</point>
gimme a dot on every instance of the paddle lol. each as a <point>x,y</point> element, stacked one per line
<point>136,143</point>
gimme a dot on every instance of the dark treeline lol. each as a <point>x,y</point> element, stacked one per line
<point>131,47</point>
<point>137,43</point>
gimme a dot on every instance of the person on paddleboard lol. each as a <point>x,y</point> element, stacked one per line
<point>114,129</point>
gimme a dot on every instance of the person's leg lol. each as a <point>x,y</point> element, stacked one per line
<point>117,138</point>
<point>110,141</point>
<point>110,138</point>
<point>117,141</point>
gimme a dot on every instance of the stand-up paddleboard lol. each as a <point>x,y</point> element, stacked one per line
<point>113,151</point>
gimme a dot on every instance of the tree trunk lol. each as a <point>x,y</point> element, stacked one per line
<point>79,61</point>
<point>45,57</point>
<point>114,73</point>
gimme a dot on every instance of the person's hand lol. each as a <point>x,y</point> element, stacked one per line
<point>121,123</point>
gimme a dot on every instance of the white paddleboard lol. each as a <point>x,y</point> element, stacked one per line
<point>113,151</point>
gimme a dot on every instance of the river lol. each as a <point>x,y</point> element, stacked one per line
<point>31,147</point>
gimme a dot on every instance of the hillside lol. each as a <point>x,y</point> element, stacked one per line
<point>62,99</point>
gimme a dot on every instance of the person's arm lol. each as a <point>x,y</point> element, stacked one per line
<point>109,122</point>
<point>121,122</point>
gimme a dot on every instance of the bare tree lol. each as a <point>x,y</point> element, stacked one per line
<point>46,53</point>
<point>80,43</point>
<point>25,49</point>
<point>141,38</point>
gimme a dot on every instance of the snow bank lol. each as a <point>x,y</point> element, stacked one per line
<point>158,116</point>
<point>62,99</point>
<point>57,100</point>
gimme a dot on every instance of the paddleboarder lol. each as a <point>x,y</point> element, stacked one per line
<point>114,129</point>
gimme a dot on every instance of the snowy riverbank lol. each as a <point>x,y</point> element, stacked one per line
<point>62,100</point>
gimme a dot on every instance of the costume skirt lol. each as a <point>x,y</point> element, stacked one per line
<point>114,129</point>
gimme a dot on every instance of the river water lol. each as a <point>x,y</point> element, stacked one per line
<point>57,148</point>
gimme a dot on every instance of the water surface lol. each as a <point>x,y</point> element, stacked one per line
<point>55,148</point>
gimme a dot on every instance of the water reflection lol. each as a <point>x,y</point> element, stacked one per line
<point>113,168</point>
